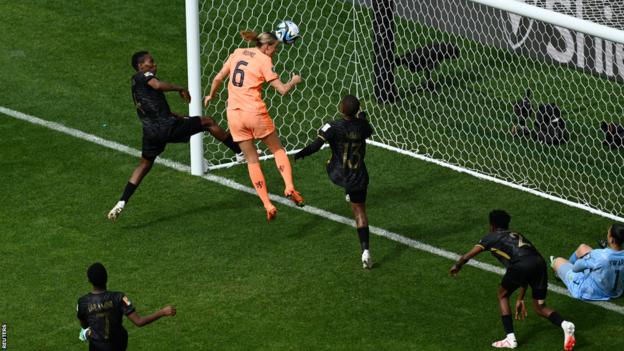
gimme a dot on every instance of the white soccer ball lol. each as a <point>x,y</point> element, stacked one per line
<point>287,32</point>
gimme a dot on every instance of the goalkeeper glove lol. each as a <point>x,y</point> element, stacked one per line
<point>84,334</point>
<point>602,243</point>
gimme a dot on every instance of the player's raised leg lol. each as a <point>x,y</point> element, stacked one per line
<point>137,176</point>
<point>257,177</point>
<point>272,141</point>
<point>220,134</point>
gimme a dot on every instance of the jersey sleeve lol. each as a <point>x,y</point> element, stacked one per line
<point>147,76</point>
<point>80,313</point>
<point>487,241</point>
<point>125,304</point>
<point>326,132</point>
<point>268,71</point>
<point>228,62</point>
<point>590,261</point>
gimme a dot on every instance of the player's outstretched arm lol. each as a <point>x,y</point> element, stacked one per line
<point>142,321</point>
<point>282,88</point>
<point>310,149</point>
<point>216,84</point>
<point>465,258</point>
<point>157,84</point>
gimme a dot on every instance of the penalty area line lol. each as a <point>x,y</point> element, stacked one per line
<point>281,200</point>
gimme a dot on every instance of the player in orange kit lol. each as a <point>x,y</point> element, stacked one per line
<point>247,114</point>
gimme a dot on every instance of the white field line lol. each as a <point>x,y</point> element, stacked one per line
<point>283,201</point>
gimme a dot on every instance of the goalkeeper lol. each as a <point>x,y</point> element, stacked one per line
<point>347,138</point>
<point>595,274</point>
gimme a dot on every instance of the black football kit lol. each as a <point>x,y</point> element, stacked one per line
<point>103,312</point>
<point>160,126</point>
<point>525,265</point>
<point>347,140</point>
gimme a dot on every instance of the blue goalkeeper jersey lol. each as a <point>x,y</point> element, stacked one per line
<point>601,272</point>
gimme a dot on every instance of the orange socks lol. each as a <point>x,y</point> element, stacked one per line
<point>257,179</point>
<point>283,165</point>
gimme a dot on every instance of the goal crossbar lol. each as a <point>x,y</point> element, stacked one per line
<point>556,18</point>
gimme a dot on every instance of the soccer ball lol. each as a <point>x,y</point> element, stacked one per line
<point>287,32</point>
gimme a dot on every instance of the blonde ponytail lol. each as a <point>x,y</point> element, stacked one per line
<point>249,36</point>
<point>258,39</point>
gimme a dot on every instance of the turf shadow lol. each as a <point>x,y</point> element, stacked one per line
<point>170,216</point>
<point>392,255</point>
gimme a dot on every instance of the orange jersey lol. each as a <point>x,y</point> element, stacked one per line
<point>249,69</point>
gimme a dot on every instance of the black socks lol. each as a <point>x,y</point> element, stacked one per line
<point>229,142</point>
<point>128,191</point>
<point>363,234</point>
<point>555,318</point>
<point>507,324</point>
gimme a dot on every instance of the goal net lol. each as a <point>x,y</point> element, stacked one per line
<point>467,85</point>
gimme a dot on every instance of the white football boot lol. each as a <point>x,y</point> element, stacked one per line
<point>367,261</point>
<point>506,343</point>
<point>116,211</point>
<point>240,157</point>
<point>568,335</point>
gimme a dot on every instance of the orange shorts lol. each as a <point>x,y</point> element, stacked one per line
<point>246,125</point>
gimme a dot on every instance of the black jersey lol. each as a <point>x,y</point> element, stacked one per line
<point>151,105</point>
<point>104,313</point>
<point>347,139</point>
<point>507,246</point>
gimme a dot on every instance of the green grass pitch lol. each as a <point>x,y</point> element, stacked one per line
<point>238,283</point>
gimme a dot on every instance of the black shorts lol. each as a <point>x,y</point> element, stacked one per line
<point>100,346</point>
<point>357,196</point>
<point>179,132</point>
<point>120,343</point>
<point>524,271</point>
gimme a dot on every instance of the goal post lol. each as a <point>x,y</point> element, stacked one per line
<point>196,143</point>
<point>446,81</point>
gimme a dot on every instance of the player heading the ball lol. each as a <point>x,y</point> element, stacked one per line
<point>247,114</point>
